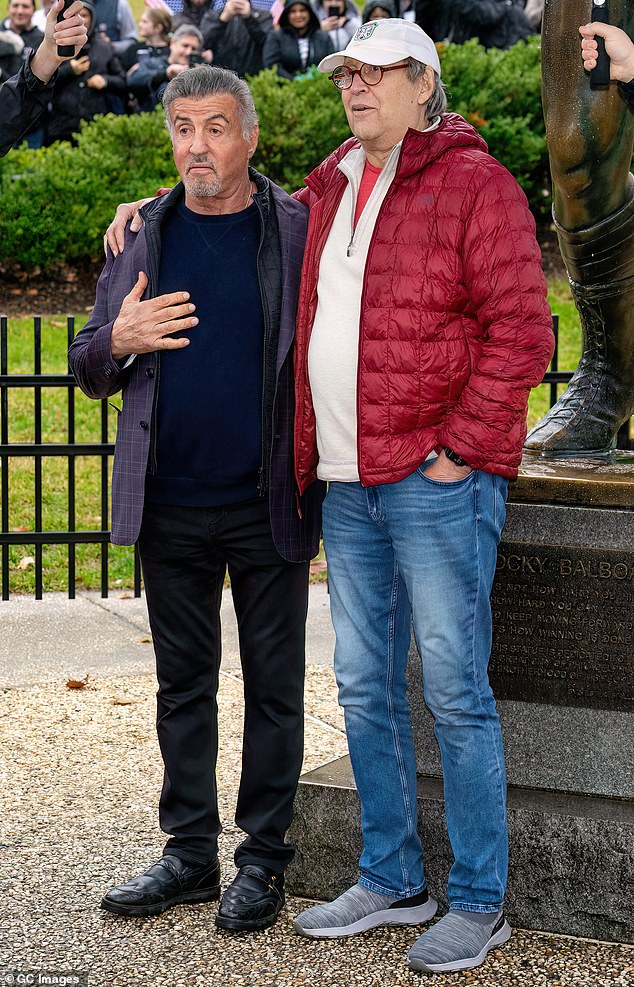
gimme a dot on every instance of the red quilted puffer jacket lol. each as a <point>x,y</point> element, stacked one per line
<point>455,328</point>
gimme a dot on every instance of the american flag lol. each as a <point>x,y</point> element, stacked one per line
<point>275,7</point>
<point>276,10</point>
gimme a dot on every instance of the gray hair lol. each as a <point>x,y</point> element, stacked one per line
<point>437,103</point>
<point>188,31</point>
<point>209,80</point>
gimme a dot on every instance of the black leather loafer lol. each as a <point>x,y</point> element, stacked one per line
<point>252,901</point>
<point>169,882</point>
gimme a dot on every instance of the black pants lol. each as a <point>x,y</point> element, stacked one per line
<point>185,552</point>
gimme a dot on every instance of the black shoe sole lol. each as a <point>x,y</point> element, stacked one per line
<point>230,924</point>
<point>144,911</point>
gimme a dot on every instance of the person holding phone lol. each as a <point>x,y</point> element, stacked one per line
<point>90,84</point>
<point>147,80</point>
<point>236,33</point>
<point>619,48</point>
<point>25,96</point>
<point>340,18</point>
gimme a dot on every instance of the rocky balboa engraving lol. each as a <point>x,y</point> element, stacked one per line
<point>563,627</point>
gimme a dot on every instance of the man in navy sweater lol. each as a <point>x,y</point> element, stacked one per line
<point>194,322</point>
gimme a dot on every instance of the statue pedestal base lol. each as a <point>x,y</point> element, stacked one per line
<point>562,671</point>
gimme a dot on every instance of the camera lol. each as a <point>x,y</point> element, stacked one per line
<point>195,59</point>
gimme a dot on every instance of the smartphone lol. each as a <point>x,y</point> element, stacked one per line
<point>333,10</point>
<point>64,50</point>
<point>600,74</point>
<point>195,59</point>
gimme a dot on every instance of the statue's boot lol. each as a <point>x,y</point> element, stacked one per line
<point>600,395</point>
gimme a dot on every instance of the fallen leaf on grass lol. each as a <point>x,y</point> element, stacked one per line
<point>26,562</point>
<point>319,565</point>
<point>21,527</point>
<point>78,683</point>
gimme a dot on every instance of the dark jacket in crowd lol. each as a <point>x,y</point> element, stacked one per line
<point>496,23</point>
<point>148,80</point>
<point>74,101</point>
<point>14,47</point>
<point>32,37</point>
<point>11,54</point>
<point>23,100</point>
<point>281,47</point>
<point>200,17</point>
<point>239,43</point>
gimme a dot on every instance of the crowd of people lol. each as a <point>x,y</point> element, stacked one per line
<point>125,67</point>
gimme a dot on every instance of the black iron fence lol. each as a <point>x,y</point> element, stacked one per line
<point>38,451</point>
<point>102,451</point>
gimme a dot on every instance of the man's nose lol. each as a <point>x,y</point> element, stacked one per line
<point>358,85</point>
<point>198,144</point>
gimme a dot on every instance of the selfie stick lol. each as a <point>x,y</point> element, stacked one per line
<point>64,50</point>
<point>600,75</point>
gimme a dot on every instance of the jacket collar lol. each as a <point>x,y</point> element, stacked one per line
<point>418,150</point>
<point>156,210</point>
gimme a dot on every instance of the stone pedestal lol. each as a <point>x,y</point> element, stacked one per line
<point>562,668</point>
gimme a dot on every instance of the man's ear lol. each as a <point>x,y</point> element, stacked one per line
<point>426,85</point>
<point>253,141</point>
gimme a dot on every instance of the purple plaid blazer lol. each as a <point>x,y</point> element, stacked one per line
<point>295,520</point>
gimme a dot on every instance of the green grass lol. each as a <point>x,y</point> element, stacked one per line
<point>88,470</point>
<point>561,304</point>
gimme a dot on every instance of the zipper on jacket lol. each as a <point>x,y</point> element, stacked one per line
<point>355,196</point>
<point>262,472</point>
<point>363,291</point>
<point>152,286</point>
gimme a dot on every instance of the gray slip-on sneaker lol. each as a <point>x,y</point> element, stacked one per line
<point>360,909</point>
<point>442,949</point>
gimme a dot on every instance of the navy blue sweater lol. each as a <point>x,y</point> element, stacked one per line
<point>209,412</point>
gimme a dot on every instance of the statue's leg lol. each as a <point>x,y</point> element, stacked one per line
<point>590,135</point>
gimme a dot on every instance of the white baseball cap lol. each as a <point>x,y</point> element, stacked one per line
<point>384,42</point>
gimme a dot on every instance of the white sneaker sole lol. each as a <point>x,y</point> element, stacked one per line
<point>388,916</point>
<point>501,936</point>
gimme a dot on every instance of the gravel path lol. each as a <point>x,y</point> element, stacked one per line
<point>80,780</point>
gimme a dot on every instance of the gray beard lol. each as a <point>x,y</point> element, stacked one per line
<point>201,188</point>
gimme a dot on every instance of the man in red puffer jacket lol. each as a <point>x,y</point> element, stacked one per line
<point>422,326</point>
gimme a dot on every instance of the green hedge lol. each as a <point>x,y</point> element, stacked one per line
<point>56,202</point>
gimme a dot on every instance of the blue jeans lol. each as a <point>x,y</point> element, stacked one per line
<point>425,549</point>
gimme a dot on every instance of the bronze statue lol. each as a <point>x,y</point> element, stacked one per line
<point>590,135</point>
